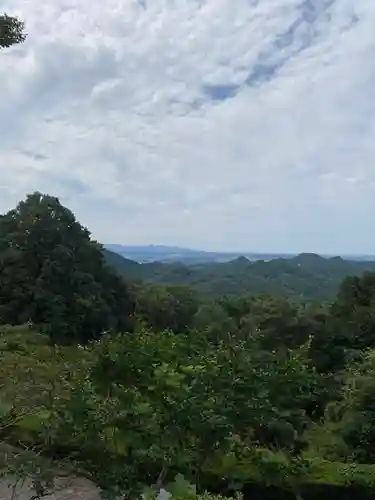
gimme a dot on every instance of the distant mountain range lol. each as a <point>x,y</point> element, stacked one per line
<point>169,254</point>
<point>161,253</point>
<point>307,277</point>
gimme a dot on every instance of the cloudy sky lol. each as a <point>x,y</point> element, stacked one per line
<point>213,124</point>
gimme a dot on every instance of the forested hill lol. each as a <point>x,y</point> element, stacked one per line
<point>141,386</point>
<point>306,276</point>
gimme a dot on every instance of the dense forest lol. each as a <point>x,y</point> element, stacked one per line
<point>140,386</point>
<point>306,277</point>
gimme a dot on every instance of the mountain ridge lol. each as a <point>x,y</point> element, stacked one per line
<point>174,254</point>
<point>306,277</point>
<point>166,253</point>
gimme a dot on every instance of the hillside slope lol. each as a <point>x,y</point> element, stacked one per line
<point>125,267</point>
<point>305,277</point>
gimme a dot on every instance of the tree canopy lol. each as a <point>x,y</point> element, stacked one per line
<point>54,275</point>
<point>303,278</point>
<point>11,31</point>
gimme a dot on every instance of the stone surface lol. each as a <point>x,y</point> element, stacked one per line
<point>67,488</point>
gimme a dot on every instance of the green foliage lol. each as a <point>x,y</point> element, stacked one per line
<point>259,394</point>
<point>11,31</point>
<point>213,320</point>
<point>162,308</point>
<point>154,404</point>
<point>52,274</point>
<point>355,305</point>
<point>347,328</point>
<point>354,414</point>
<point>305,278</point>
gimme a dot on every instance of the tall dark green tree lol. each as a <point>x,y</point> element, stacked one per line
<point>349,326</point>
<point>11,31</point>
<point>53,274</point>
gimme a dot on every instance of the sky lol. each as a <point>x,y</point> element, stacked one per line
<point>214,124</point>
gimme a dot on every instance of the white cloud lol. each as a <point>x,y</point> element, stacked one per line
<point>205,123</point>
